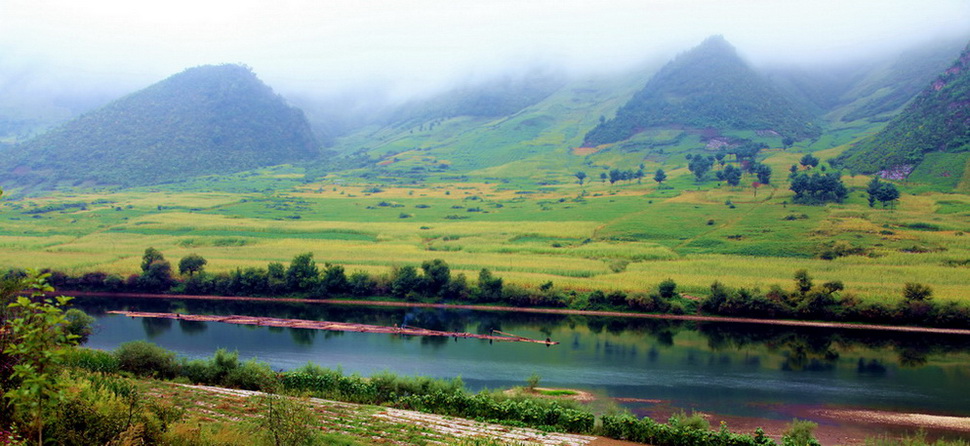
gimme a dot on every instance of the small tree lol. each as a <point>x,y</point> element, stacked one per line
<point>533,381</point>
<point>667,289</point>
<point>302,275</point>
<point>191,264</point>
<point>660,176</point>
<point>808,161</point>
<point>581,176</point>
<point>763,171</point>
<point>285,422</point>
<point>404,280</point>
<point>700,165</point>
<point>800,433</point>
<point>157,277</point>
<point>489,287</point>
<point>803,281</point>
<point>34,341</point>
<point>884,193</point>
<point>436,276</point>
<point>151,255</point>
<point>787,142</point>
<point>917,292</point>
<point>730,174</point>
<point>334,279</point>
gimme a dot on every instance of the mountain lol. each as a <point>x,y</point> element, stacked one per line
<point>496,97</point>
<point>709,86</point>
<point>205,120</point>
<point>936,121</point>
<point>873,88</point>
<point>519,125</point>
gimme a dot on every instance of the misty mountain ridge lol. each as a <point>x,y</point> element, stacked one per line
<point>222,119</point>
<point>709,86</point>
<point>935,124</point>
<point>204,120</point>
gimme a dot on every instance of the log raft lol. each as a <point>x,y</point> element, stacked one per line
<point>333,326</point>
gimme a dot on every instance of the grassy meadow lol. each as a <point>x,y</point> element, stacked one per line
<point>626,236</point>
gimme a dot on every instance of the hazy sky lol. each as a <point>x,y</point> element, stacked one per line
<point>411,44</point>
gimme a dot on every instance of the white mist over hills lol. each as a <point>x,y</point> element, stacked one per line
<point>417,47</point>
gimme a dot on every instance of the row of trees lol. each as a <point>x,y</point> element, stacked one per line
<point>624,175</point>
<point>434,281</point>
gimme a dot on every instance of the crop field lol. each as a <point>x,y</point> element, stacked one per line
<point>629,235</point>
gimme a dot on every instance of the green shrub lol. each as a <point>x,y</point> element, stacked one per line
<point>92,360</point>
<point>146,359</point>
<point>800,433</point>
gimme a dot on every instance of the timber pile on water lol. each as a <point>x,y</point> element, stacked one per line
<point>334,326</point>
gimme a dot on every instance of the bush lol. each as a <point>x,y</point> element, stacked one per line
<point>79,324</point>
<point>91,360</point>
<point>914,292</point>
<point>800,433</point>
<point>146,359</point>
<point>667,289</point>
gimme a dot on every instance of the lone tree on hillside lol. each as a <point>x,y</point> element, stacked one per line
<point>660,176</point>
<point>763,171</point>
<point>191,264</point>
<point>581,176</point>
<point>884,193</point>
<point>787,142</point>
<point>808,161</point>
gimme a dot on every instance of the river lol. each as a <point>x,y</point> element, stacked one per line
<point>730,369</point>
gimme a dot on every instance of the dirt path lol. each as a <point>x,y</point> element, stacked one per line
<point>434,428</point>
<point>783,322</point>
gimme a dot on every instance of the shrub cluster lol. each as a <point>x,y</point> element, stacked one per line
<point>434,282</point>
<point>829,302</point>
<point>107,398</point>
<point>676,433</point>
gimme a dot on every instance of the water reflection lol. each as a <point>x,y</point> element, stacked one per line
<point>803,348</point>
<point>155,327</point>
<point>722,367</point>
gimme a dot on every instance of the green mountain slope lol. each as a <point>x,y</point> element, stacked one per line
<point>497,97</point>
<point>709,86</point>
<point>937,120</point>
<point>890,85</point>
<point>529,136</point>
<point>205,120</point>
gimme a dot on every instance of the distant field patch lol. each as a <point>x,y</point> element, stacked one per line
<point>583,151</point>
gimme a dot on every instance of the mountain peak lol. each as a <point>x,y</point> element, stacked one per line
<point>204,120</point>
<point>709,86</point>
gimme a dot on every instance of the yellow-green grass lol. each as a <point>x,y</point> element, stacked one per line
<point>628,240</point>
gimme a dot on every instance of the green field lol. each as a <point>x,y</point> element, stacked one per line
<point>625,236</point>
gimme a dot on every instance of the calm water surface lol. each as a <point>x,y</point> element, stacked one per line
<point>732,369</point>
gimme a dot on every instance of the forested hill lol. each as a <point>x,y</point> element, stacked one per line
<point>709,86</point>
<point>937,120</point>
<point>205,120</point>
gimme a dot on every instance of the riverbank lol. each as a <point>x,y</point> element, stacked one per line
<point>695,318</point>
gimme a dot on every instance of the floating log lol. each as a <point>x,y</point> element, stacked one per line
<point>332,326</point>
